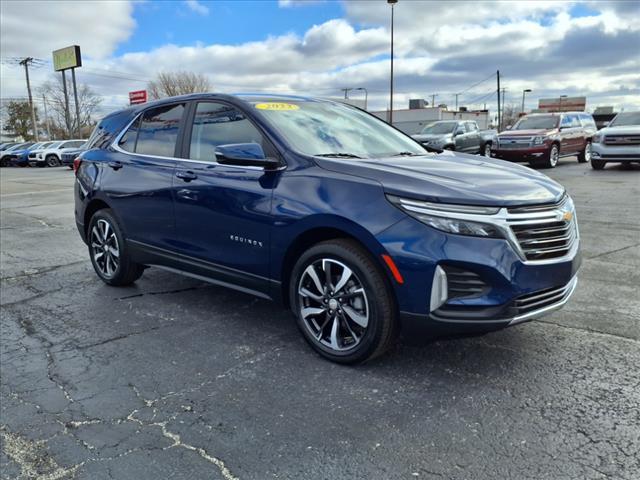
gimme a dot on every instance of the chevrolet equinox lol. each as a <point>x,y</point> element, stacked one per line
<point>321,206</point>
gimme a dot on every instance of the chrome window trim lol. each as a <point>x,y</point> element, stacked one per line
<point>115,145</point>
<point>503,220</point>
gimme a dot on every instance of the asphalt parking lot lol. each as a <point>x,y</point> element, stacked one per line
<point>174,378</point>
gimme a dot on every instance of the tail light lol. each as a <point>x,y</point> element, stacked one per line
<point>76,164</point>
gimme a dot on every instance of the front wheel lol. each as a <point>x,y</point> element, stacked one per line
<point>552,157</point>
<point>52,161</point>
<point>597,164</point>
<point>486,151</point>
<point>585,155</point>
<point>342,302</point>
<point>108,251</point>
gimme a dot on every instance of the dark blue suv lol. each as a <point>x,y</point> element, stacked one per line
<point>329,210</point>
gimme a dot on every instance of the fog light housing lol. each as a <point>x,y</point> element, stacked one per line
<point>439,289</point>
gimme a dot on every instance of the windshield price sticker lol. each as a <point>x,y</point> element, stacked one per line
<point>277,106</point>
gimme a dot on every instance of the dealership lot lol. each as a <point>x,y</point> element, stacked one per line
<point>174,378</point>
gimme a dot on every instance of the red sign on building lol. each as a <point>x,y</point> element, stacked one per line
<point>139,96</point>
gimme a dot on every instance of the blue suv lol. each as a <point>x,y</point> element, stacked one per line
<point>329,210</point>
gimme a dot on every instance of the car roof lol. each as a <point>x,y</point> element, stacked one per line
<point>245,97</point>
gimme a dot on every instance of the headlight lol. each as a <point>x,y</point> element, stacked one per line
<point>597,138</point>
<point>441,217</point>
<point>538,140</point>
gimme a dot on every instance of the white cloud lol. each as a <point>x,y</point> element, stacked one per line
<point>198,7</point>
<point>441,48</point>
<point>36,28</point>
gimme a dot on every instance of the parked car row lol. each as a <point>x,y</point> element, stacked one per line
<point>41,154</point>
<point>542,139</point>
<point>462,136</point>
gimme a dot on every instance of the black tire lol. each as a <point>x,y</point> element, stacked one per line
<point>485,151</point>
<point>551,158</point>
<point>52,161</point>
<point>126,271</point>
<point>597,164</point>
<point>381,330</point>
<point>585,155</point>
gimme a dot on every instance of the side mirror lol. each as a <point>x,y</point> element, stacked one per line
<point>459,132</point>
<point>246,155</point>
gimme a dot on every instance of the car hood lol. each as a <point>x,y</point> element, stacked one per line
<point>430,137</point>
<point>527,133</point>
<point>452,177</point>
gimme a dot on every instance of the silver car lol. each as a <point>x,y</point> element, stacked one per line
<point>618,142</point>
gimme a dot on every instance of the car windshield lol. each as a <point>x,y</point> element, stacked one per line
<point>55,144</point>
<point>625,119</point>
<point>335,130</point>
<point>440,128</point>
<point>23,146</point>
<point>537,122</point>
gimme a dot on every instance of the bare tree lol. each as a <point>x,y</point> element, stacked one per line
<point>88,102</point>
<point>170,84</point>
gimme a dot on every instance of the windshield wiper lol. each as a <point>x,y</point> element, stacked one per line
<point>337,155</point>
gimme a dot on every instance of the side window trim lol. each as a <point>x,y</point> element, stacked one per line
<point>190,118</point>
<point>138,117</point>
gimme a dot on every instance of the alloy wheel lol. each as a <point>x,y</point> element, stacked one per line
<point>587,152</point>
<point>487,150</point>
<point>52,161</point>
<point>105,248</point>
<point>554,155</point>
<point>333,304</point>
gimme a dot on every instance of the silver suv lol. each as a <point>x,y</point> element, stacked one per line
<point>618,142</point>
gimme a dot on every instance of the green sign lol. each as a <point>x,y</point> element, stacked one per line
<point>65,58</point>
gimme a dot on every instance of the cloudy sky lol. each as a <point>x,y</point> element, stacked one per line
<point>316,47</point>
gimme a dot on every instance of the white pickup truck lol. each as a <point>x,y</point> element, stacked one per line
<point>617,142</point>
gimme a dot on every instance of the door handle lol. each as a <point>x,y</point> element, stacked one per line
<point>115,165</point>
<point>186,176</point>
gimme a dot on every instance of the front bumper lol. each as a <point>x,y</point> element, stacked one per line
<point>615,153</point>
<point>514,290</point>
<point>520,154</point>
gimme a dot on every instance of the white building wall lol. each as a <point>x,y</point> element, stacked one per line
<point>413,121</point>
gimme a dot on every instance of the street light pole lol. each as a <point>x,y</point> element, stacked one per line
<point>528,90</point>
<point>366,95</point>
<point>25,62</point>
<point>392,3</point>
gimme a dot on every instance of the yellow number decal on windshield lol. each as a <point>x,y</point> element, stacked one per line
<point>277,106</point>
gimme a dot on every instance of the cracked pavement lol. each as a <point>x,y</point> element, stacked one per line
<point>175,378</point>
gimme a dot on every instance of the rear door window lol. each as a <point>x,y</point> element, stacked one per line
<point>155,133</point>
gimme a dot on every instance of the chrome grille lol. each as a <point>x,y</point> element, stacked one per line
<point>544,232</point>
<point>622,140</point>
<point>514,142</point>
<point>542,298</point>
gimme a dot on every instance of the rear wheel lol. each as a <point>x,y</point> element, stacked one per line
<point>52,161</point>
<point>585,155</point>
<point>108,251</point>
<point>597,164</point>
<point>342,302</point>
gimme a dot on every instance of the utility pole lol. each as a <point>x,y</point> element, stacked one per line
<point>457,94</point>
<point>25,62</point>
<point>504,104</point>
<point>499,117</point>
<point>46,116</point>
<point>346,92</point>
<point>433,99</point>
